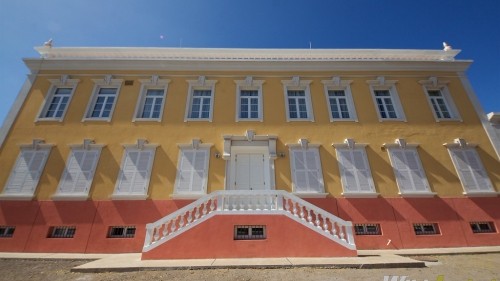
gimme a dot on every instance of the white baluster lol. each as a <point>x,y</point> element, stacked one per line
<point>173,226</point>
<point>287,204</point>
<point>156,235</point>
<point>212,205</point>
<point>294,208</point>
<point>334,229</point>
<point>325,225</point>
<point>189,216</point>
<point>309,217</point>
<point>317,222</point>
<point>301,212</point>
<point>342,235</point>
<point>181,220</point>
<point>165,229</point>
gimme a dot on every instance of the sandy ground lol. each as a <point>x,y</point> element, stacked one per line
<point>478,267</point>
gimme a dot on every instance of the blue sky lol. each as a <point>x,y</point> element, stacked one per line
<point>472,26</point>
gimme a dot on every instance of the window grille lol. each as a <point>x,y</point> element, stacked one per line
<point>121,232</point>
<point>62,232</point>
<point>7,231</point>
<point>426,228</point>
<point>249,232</point>
<point>367,229</point>
<point>482,227</point>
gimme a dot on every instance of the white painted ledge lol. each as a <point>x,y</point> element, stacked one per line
<point>187,196</point>
<point>16,196</point>
<point>360,194</point>
<point>310,195</point>
<point>129,196</point>
<point>482,194</point>
<point>417,194</point>
<point>70,197</point>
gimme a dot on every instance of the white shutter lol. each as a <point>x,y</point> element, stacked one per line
<point>256,166</point>
<point>27,170</point>
<point>135,172</point>
<point>410,175</point>
<point>355,171</point>
<point>79,171</point>
<point>306,170</point>
<point>470,170</point>
<point>192,173</point>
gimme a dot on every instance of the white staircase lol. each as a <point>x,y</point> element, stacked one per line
<point>232,202</point>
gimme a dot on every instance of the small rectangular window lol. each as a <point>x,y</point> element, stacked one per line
<point>482,227</point>
<point>7,231</point>
<point>201,104</point>
<point>249,232</point>
<point>426,228</point>
<point>121,232</point>
<point>367,229</point>
<point>385,104</point>
<point>62,232</point>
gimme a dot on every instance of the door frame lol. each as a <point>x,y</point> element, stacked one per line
<point>259,150</point>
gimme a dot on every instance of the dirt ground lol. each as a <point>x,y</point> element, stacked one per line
<point>478,267</point>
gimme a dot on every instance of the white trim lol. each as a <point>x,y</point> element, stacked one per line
<point>17,196</point>
<point>150,84</point>
<point>16,108</point>
<point>337,84</point>
<point>435,84</point>
<point>64,82</point>
<point>490,131</point>
<point>98,85</point>
<point>249,84</point>
<point>203,85</point>
<point>129,196</point>
<point>298,85</point>
<point>69,197</point>
<point>360,194</point>
<point>310,195</point>
<point>387,85</point>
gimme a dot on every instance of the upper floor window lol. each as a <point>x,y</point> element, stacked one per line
<point>192,169</point>
<point>200,100</point>
<point>79,171</point>
<point>249,99</point>
<point>298,100</point>
<point>386,99</point>
<point>103,99</point>
<point>339,99</point>
<point>151,99</point>
<point>440,99</point>
<point>469,167</point>
<point>27,170</point>
<point>355,171</point>
<point>307,176</point>
<point>410,175</point>
<point>57,99</point>
<point>135,171</point>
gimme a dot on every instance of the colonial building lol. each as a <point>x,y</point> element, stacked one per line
<point>199,153</point>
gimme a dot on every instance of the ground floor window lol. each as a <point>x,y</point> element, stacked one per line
<point>249,232</point>
<point>426,228</point>
<point>482,227</point>
<point>62,232</point>
<point>367,229</point>
<point>7,231</point>
<point>121,232</point>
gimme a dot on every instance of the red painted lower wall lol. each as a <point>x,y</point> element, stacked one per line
<point>92,219</point>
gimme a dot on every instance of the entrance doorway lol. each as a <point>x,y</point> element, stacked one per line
<point>249,168</point>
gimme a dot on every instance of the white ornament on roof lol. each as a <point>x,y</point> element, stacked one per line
<point>446,47</point>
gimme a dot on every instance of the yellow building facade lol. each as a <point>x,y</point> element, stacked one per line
<point>393,140</point>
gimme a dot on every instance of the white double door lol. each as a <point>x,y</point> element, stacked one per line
<point>249,169</point>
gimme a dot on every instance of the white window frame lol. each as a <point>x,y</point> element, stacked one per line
<point>298,85</point>
<point>336,84</point>
<point>461,146</point>
<point>26,193</point>
<point>63,83</point>
<point>99,84</point>
<point>350,146</point>
<point>86,148</point>
<point>203,85</point>
<point>433,84</point>
<point>387,85</point>
<point>400,145</point>
<point>195,146</point>
<point>304,146</point>
<point>141,146</point>
<point>146,85</point>
<point>249,85</point>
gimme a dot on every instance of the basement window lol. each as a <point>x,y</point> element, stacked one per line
<point>121,232</point>
<point>367,229</point>
<point>249,232</point>
<point>426,228</point>
<point>482,227</point>
<point>62,232</point>
<point>7,231</point>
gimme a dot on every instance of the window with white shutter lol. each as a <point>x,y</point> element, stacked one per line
<point>307,176</point>
<point>192,171</point>
<point>470,170</point>
<point>25,175</point>
<point>135,172</point>
<point>410,176</point>
<point>79,172</point>
<point>355,171</point>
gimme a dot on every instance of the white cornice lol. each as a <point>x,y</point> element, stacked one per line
<point>222,54</point>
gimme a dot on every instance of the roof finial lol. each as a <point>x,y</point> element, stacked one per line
<point>48,43</point>
<point>446,47</point>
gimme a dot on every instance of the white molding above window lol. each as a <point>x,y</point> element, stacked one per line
<point>200,85</point>
<point>440,100</point>
<point>58,99</point>
<point>146,100</point>
<point>388,107</point>
<point>25,175</point>
<point>191,179</point>
<point>473,177</point>
<point>296,86</point>
<point>249,85</point>
<point>343,105</point>
<point>103,112</point>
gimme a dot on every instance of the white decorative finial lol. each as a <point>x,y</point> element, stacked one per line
<point>446,47</point>
<point>48,43</point>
